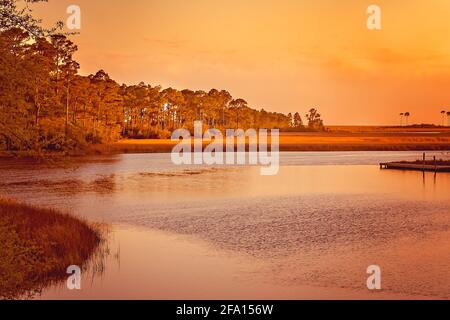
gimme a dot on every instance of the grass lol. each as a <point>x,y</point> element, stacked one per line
<point>327,141</point>
<point>336,138</point>
<point>37,246</point>
<point>389,129</point>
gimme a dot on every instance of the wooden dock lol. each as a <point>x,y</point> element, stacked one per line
<point>419,165</point>
<point>414,166</point>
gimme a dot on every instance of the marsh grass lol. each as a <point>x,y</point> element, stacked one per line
<point>368,141</point>
<point>37,246</point>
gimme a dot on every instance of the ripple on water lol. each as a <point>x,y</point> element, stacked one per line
<point>326,240</point>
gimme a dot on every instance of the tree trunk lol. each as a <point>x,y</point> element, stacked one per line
<point>37,105</point>
<point>67,110</point>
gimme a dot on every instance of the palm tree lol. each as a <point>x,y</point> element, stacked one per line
<point>407,114</point>
<point>443,112</point>
<point>401,119</point>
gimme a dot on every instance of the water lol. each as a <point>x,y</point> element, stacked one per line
<point>318,224</point>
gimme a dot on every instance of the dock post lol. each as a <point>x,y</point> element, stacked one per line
<point>424,162</point>
<point>435,164</point>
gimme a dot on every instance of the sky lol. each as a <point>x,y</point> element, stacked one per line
<point>280,55</point>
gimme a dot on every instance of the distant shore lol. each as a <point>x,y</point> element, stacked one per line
<point>336,138</point>
<point>340,139</point>
<point>37,247</point>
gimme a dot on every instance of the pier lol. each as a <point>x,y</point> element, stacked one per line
<point>419,165</point>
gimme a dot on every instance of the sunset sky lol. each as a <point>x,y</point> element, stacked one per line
<point>281,55</point>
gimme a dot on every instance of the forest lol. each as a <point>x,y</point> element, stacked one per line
<point>46,105</point>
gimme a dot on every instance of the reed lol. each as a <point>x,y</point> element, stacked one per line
<point>308,142</point>
<point>37,246</point>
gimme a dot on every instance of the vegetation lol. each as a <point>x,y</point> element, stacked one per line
<point>445,113</point>
<point>404,115</point>
<point>334,139</point>
<point>37,247</point>
<point>45,105</point>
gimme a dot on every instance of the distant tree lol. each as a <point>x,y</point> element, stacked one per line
<point>106,108</point>
<point>191,107</point>
<point>443,113</point>
<point>153,108</point>
<point>401,119</point>
<point>407,115</point>
<point>199,101</point>
<point>448,118</point>
<point>63,62</point>
<point>225,98</point>
<point>79,100</point>
<point>298,122</point>
<point>291,119</point>
<point>41,57</point>
<point>65,70</point>
<point>173,101</point>
<point>314,120</point>
<point>237,105</point>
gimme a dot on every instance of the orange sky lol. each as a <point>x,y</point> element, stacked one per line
<point>282,55</point>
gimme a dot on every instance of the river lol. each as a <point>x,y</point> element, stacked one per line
<point>227,232</point>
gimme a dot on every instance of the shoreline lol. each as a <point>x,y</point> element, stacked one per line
<point>38,245</point>
<point>358,140</point>
<point>304,143</point>
<point>344,139</point>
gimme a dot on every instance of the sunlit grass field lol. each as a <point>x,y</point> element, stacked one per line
<point>336,139</point>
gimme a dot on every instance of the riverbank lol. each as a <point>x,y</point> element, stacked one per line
<point>37,246</point>
<point>335,139</point>
<point>323,141</point>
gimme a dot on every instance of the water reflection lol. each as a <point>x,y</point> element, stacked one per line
<point>69,187</point>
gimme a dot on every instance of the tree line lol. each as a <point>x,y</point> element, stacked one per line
<point>46,105</point>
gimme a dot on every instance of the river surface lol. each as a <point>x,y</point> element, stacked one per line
<point>227,232</point>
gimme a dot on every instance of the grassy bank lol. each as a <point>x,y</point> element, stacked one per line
<point>340,139</point>
<point>37,246</point>
<point>368,141</point>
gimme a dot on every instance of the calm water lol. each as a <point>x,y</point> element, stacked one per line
<point>189,232</point>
